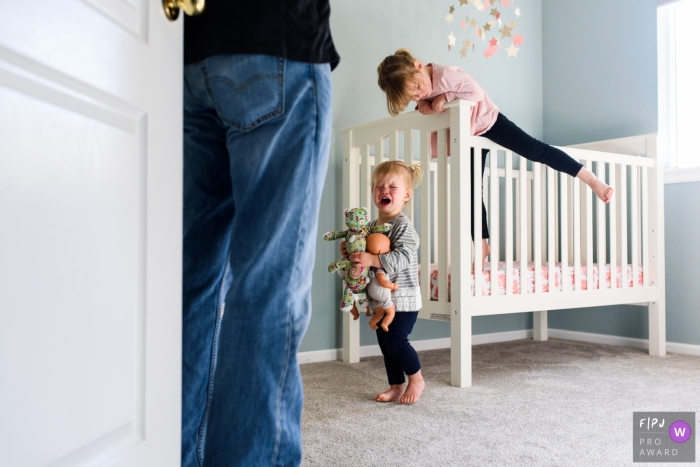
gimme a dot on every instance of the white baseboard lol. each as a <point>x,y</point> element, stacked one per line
<point>477,339</point>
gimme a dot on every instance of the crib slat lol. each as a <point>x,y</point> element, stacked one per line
<point>555,192</point>
<point>613,231</point>
<point>394,145</point>
<point>379,152</point>
<point>600,215</point>
<point>564,221</point>
<point>524,231</point>
<point>494,211</point>
<point>518,202</point>
<point>537,221</point>
<point>543,200</point>
<point>408,159</point>
<point>366,188</point>
<point>634,198</point>
<point>425,218</point>
<point>622,195</point>
<point>551,235</point>
<point>645,226</point>
<point>570,223</point>
<point>435,223</point>
<point>441,234</point>
<point>576,230</point>
<point>509,222</point>
<point>476,206</point>
<point>530,213</point>
<point>589,231</point>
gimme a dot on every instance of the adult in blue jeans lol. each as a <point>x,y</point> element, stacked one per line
<point>257,122</point>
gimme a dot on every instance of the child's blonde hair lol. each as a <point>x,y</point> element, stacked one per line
<point>411,174</point>
<point>395,73</point>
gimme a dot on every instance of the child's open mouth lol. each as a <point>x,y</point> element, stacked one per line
<point>385,202</point>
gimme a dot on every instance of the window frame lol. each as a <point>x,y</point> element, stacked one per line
<point>666,57</point>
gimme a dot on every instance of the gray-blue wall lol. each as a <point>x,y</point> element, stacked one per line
<point>586,72</point>
<point>600,82</point>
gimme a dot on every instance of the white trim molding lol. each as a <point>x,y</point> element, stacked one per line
<point>477,339</point>
<point>682,175</point>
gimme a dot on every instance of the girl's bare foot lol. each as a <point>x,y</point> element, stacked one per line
<point>599,187</point>
<point>392,395</point>
<point>485,251</point>
<point>414,389</point>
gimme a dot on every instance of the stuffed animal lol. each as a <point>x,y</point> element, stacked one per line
<point>380,287</point>
<point>355,277</point>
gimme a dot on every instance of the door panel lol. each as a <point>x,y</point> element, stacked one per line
<point>90,234</point>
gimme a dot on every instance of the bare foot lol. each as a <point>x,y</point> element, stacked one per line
<point>485,251</point>
<point>599,187</point>
<point>378,315</point>
<point>414,389</point>
<point>355,313</point>
<point>392,395</point>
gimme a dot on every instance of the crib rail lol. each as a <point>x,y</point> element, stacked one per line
<point>534,214</point>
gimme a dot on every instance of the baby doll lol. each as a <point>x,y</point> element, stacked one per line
<point>380,288</point>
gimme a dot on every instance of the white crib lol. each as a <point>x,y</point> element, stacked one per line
<point>545,218</point>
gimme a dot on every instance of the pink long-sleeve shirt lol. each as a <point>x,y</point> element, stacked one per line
<point>456,83</point>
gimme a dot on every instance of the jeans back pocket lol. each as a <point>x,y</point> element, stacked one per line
<point>246,90</point>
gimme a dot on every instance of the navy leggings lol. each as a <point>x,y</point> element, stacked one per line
<point>399,356</point>
<point>507,134</point>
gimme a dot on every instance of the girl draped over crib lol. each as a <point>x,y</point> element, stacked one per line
<point>404,78</point>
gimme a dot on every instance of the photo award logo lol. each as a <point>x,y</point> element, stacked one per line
<point>664,436</point>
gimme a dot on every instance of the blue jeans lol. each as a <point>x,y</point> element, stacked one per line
<point>256,143</point>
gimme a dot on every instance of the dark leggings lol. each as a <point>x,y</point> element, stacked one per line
<point>399,356</point>
<point>507,134</point>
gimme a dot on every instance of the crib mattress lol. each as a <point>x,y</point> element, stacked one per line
<point>566,284</point>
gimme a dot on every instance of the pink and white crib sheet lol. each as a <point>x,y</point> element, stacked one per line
<point>517,285</point>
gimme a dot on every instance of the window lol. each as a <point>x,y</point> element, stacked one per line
<point>679,93</point>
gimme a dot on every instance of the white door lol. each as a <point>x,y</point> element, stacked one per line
<point>90,233</point>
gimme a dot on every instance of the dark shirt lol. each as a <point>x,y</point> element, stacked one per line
<point>294,29</point>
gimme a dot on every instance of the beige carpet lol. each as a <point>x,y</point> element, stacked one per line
<point>554,403</point>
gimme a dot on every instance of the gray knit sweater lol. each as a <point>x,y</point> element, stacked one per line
<point>401,263</point>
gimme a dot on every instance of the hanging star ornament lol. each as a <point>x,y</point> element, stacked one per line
<point>463,24</point>
<point>512,51</point>
<point>452,39</point>
<point>517,12</point>
<point>518,40</point>
<point>505,31</point>
<point>463,2</point>
<point>449,18</point>
<point>466,43</point>
<point>452,9</point>
<point>487,27</point>
<point>463,53</point>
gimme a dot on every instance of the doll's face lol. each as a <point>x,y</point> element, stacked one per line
<point>378,244</point>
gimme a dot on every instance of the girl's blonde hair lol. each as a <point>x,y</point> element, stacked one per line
<point>411,174</point>
<point>395,73</point>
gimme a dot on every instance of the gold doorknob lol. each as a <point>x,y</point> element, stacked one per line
<point>191,7</point>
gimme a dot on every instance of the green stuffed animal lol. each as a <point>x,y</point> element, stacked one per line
<point>355,278</point>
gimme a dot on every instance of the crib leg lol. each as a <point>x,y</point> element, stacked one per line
<point>539,325</point>
<point>461,350</point>
<point>351,339</point>
<point>657,329</point>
